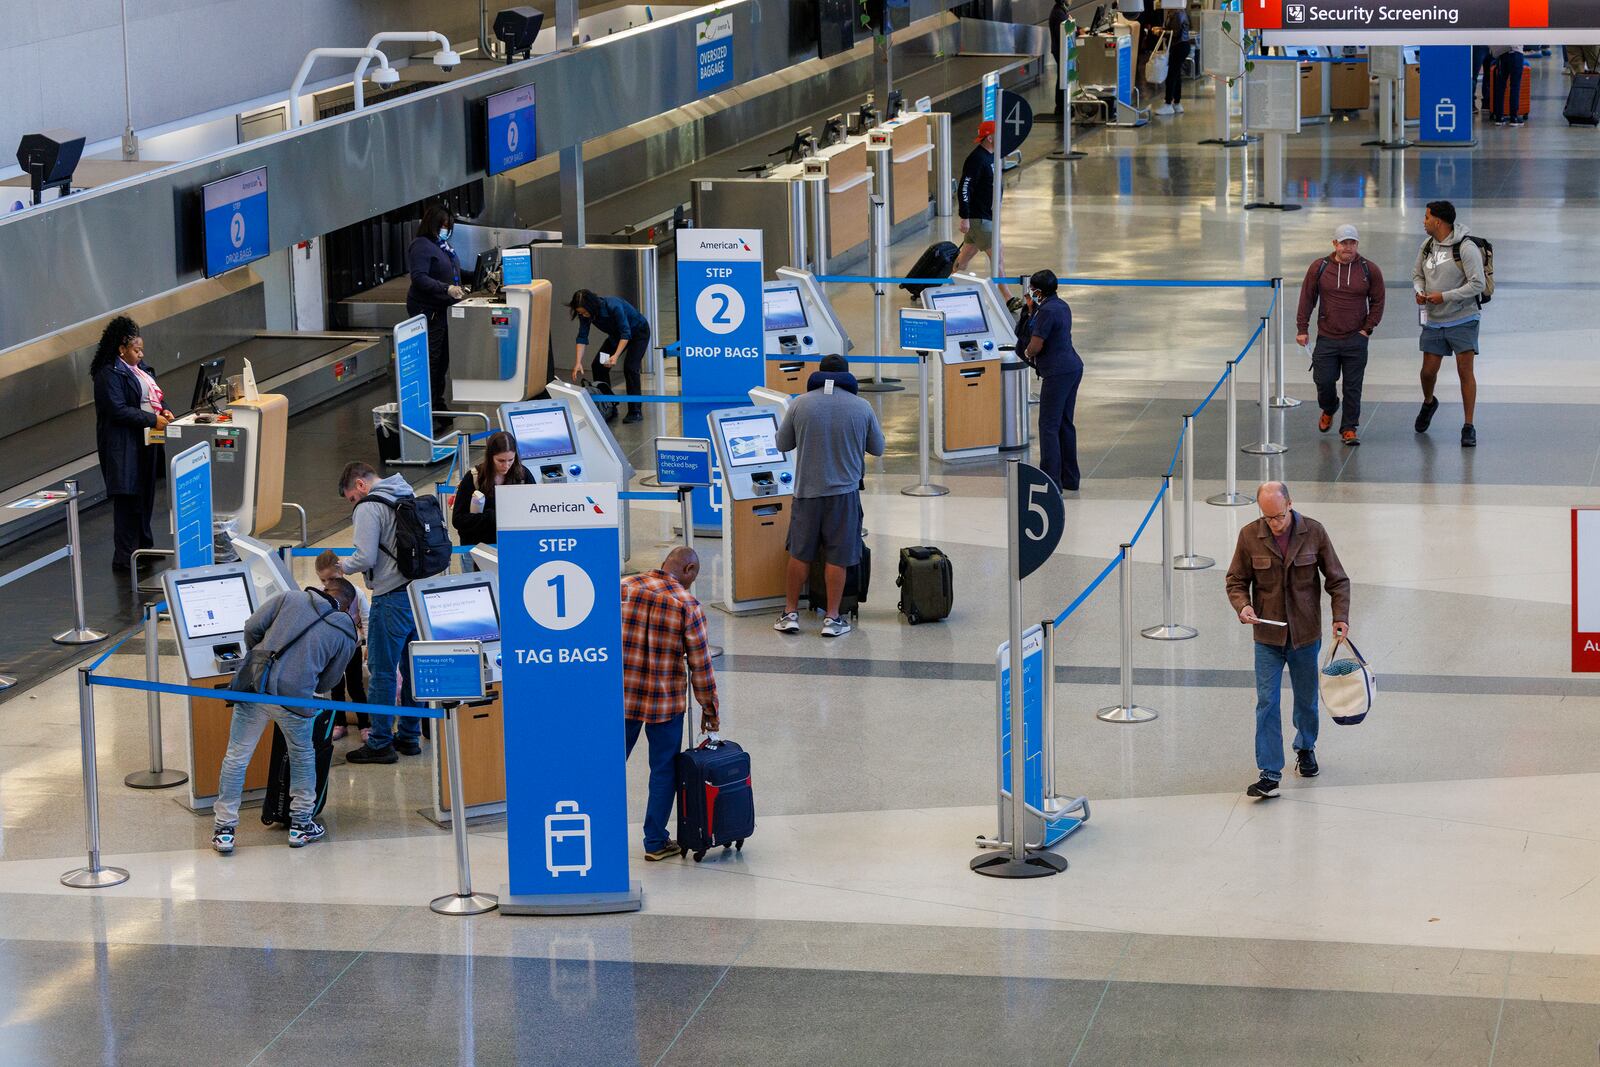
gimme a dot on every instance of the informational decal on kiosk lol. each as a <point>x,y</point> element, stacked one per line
<point>191,507</point>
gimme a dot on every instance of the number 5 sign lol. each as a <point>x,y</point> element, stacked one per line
<point>1041,517</point>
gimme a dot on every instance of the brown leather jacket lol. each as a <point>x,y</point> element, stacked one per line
<point>1263,577</point>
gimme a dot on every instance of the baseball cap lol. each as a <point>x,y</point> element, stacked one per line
<point>985,129</point>
<point>1346,233</point>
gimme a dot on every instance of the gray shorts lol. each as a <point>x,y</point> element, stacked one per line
<point>1449,340</point>
<point>826,527</point>
<point>980,232</point>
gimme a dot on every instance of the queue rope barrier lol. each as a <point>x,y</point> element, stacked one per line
<point>1128,283</point>
<point>111,681</point>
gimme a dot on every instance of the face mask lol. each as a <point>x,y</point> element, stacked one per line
<point>444,234</point>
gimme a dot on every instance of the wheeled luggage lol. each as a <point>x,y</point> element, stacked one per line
<point>857,579</point>
<point>1519,107</point>
<point>715,803</point>
<point>927,584</point>
<point>601,393</point>
<point>936,262</point>
<point>275,804</point>
<point>1583,101</point>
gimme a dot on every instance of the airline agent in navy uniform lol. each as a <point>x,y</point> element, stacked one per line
<point>435,285</point>
<point>1061,372</point>
<point>127,402</point>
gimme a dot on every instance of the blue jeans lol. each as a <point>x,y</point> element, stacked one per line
<point>249,720</point>
<point>1302,664</point>
<point>390,628</point>
<point>1058,437</point>
<point>663,738</point>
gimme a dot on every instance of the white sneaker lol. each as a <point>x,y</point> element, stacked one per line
<point>1165,109</point>
<point>788,623</point>
<point>836,627</point>
<point>1178,108</point>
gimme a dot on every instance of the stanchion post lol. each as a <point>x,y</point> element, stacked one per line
<point>463,901</point>
<point>1169,628</point>
<point>923,487</point>
<point>1047,706</point>
<point>686,513</point>
<point>80,634</point>
<point>1189,561</point>
<point>94,875</point>
<point>1279,399</point>
<point>157,777</point>
<point>1067,83</point>
<point>1230,497</point>
<point>1265,446</point>
<point>1127,711</point>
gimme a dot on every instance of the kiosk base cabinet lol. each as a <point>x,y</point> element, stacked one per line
<point>762,529</point>
<point>971,405</point>
<point>483,760</point>
<point>210,723</point>
<point>791,378</point>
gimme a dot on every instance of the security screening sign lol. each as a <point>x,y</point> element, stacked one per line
<point>1479,22</point>
<point>561,653</point>
<point>721,329</point>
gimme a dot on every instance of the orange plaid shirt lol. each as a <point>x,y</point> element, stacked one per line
<point>662,625</point>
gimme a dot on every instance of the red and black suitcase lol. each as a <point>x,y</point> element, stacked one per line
<point>715,802</point>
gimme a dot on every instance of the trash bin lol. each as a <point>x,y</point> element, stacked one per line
<point>1015,435</point>
<point>386,425</point>
<point>222,534</point>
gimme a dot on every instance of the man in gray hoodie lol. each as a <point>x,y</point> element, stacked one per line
<point>390,625</point>
<point>1448,278</point>
<point>308,637</point>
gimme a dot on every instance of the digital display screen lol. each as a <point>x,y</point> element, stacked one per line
<point>963,313</point>
<point>234,221</point>
<point>509,129</point>
<point>542,433</point>
<point>461,613</point>
<point>751,440</point>
<point>782,309</point>
<point>213,607</point>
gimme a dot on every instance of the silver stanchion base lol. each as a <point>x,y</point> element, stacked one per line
<point>94,877</point>
<point>650,480</point>
<point>1169,632</point>
<point>926,489</point>
<point>472,904</point>
<point>1122,714</point>
<point>1267,448</point>
<point>1285,402</point>
<point>1192,563</point>
<point>75,636</point>
<point>1230,500</point>
<point>714,651</point>
<point>1001,865</point>
<point>6,682</point>
<point>1066,157</point>
<point>885,386</point>
<point>155,779</point>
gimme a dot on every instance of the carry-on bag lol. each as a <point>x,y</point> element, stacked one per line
<point>927,584</point>
<point>715,803</point>
<point>936,261</point>
<point>1156,67</point>
<point>600,392</point>
<point>1583,101</point>
<point>1348,685</point>
<point>275,804</point>
<point>857,579</point>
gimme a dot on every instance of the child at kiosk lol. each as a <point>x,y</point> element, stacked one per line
<point>353,686</point>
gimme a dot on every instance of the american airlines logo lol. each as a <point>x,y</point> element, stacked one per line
<point>557,506</point>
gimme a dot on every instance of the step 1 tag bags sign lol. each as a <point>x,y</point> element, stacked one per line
<point>1348,685</point>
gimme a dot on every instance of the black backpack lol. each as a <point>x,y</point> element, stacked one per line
<point>421,541</point>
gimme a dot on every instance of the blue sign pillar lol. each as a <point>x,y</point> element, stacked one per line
<point>1445,107</point>
<point>561,641</point>
<point>721,330</point>
<point>191,506</point>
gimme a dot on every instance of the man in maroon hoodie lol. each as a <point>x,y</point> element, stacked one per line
<point>1348,290</point>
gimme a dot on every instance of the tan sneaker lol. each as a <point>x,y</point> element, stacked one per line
<point>666,852</point>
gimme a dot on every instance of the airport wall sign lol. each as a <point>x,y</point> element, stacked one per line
<point>1368,22</point>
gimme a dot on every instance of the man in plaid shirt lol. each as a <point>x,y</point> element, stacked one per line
<point>662,625</point>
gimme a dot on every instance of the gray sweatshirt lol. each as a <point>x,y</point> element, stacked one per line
<point>314,663</point>
<point>828,432</point>
<point>1436,272</point>
<point>373,524</point>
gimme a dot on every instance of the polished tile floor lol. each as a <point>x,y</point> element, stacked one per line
<point>1433,897</point>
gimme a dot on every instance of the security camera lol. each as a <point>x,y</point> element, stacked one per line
<point>446,60</point>
<point>385,76</point>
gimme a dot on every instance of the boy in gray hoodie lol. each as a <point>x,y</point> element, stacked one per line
<point>311,637</point>
<point>1448,278</point>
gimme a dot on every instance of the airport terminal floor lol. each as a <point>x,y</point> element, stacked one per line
<point>1433,897</point>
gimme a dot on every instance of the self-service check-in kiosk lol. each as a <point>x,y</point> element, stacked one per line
<point>967,390</point>
<point>269,572</point>
<point>801,326</point>
<point>757,494</point>
<point>248,439</point>
<point>209,607</point>
<point>500,344</point>
<point>466,607</point>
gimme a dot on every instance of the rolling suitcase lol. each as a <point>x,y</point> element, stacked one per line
<point>275,803</point>
<point>1583,101</point>
<point>857,579</point>
<point>927,584</point>
<point>715,803</point>
<point>936,262</point>
<point>1525,103</point>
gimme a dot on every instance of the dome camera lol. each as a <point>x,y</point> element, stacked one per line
<point>385,76</point>
<point>446,60</point>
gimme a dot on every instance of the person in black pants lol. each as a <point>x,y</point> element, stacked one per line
<point>627,335</point>
<point>1177,23</point>
<point>127,402</point>
<point>1058,16</point>
<point>1060,370</point>
<point>435,285</point>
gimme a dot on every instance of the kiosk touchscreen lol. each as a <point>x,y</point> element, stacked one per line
<point>801,325</point>
<point>757,492</point>
<point>209,608</point>
<point>268,571</point>
<point>967,393</point>
<point>546,443</point>
<point>460,607</point>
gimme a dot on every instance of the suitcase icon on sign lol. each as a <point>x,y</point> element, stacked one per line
<point>566,840</point>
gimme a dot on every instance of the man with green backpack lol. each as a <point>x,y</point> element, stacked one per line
<point>1453,278</point>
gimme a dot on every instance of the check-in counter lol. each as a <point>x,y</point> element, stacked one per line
<point>910,145</point>
<point>1314,92</point>
<point>1413,92</point>
<point>1350,85</point>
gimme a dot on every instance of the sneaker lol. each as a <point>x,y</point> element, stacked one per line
<point>836,627</point>
<point>633,416</point>
<point>1305,762</point>
<point>368,754</point>
<point>1425,416</point>
<point>1263,789</point>
<point>1178,108</point>
<point>302,834</point>
<point>1325,423</point>
<point>667,851</point>
<point>788,623</point>
<point>1014,304</point>
<point>222,839</point>
<point>408,748</point>
<point>1502,122</point>
<point>1165,109</point>
<point>1350,437</point>
<point>1469,436</point>
<point>1519,122</point>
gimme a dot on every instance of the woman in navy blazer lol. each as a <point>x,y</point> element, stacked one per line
<point>127,402</point>
<point>435,285</point>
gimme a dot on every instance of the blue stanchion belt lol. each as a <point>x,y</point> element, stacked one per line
<point>635,494</point>
<point>1130,283</point>
<point>111,681</point>
<point>1307,59</point>
<point>295,550</point>
<point>1089,589</point>
<point>807,357</point>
